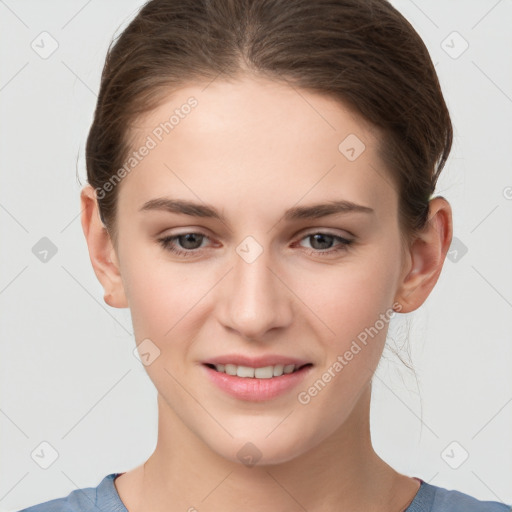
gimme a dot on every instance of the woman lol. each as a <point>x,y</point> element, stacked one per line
<point>261,175</point>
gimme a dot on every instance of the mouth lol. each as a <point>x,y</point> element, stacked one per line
<point>256,383</point>
<point>264,372</point>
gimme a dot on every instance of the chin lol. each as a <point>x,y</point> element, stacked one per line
<point>259,451</point>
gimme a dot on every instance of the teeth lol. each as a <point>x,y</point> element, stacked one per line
<point>266,372</point>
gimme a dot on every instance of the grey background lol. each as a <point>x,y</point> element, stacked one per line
<point>68,374</point>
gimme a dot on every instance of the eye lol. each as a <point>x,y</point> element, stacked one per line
<point>191,243</point>
<point>322,240</point>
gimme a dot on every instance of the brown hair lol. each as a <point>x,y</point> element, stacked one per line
<point>362,52</point>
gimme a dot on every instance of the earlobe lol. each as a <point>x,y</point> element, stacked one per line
<point>101,251</point>
<point>427,255</point>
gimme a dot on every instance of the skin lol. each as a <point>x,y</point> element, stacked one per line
<point>253,148</point>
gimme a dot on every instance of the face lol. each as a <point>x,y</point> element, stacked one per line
<point>265,277</point>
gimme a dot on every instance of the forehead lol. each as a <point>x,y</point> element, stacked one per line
<point>258,145</point>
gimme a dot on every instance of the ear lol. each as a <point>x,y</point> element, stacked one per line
<point>101,250</point>
<point>426,257</point>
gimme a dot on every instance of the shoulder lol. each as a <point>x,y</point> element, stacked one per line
<point>431,498</point>
<point>103,497</point>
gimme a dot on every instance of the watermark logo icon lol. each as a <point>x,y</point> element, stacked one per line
<point>457,250</point>
<point>44,45</point>
<point>454,45</point>
<point>351,147</point>
<point>44,250</point>
<point>146,352</point>
<point>44,455</point>
<point>454,455</point>
<point>249,454</point>
<point>249,249</point>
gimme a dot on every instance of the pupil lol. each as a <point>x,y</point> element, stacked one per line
<point>321,237</point>
<point>188,240</point>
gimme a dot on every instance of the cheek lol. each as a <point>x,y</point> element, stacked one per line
<point>355,309</point>
<point>153,302</point>
<point>152,305</point>
<point>159,291</point>
<point>348,298</point>
<point>353,302</point>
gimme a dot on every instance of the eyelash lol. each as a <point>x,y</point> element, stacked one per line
<point>166,243</point>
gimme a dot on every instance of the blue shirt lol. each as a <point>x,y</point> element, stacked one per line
<point>104,498</point>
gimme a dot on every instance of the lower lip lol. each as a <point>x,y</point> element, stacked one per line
<point>256,390</point>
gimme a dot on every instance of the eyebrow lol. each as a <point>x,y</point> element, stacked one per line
<point>314,211</point>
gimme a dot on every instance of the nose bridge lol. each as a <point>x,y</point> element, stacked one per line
<point>256,300</point>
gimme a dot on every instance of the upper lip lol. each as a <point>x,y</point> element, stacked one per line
<point>256,362</point>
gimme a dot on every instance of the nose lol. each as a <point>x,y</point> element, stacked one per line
<point>255,297</point>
